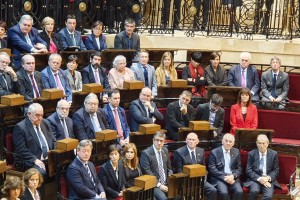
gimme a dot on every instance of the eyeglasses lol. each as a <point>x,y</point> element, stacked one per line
<point>159,140</point>
<point>92,103</point>
<point>64,108</point>
<point>4,62</point>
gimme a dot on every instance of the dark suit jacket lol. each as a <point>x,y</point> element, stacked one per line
<point>203,112</point>
<point>218,78</point>
<point>253,167</point>
<point>83,126</point>
<point>67,40</point>
<point>49,81</point>
<point>187,74</point>
<point>55,38</point>
<point>27,195</point>
<point>88,76</point>
<point>138,114</point>
<point>139,75</point>
<point>18,44</point>
<point>149,163</point>
<point>237,120</point>
<point>112,123</point>
<point>108,178</point>
<point>216,165</point>
<point>91,44</point>
<point>3,43</point>
<point>80,184</point>
<point>281,87</point>
<point>25,86</point>
<point>234,79</point>
<point>26,142</point>
<point>175,119</point>
<point>121,41</point>
<point>182,157</point>
<point>57,129</point>
<point>12,85</point>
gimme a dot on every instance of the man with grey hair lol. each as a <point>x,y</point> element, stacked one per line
<point>262,170</point>
<point>89,119</point>
<point>30,80</point>
<point>275,84</point>
<point>8,77</point>
<point>61,124</point>
<point>54,77</point>
<point>33,140</point>
<point>82,179</point>
<point>245,75</point>
<point>23,38</point>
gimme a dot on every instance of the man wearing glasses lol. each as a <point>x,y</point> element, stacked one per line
<point>155,161</point>
<point>61,124</point>
<point>8,79</point>
<point>89,119</point>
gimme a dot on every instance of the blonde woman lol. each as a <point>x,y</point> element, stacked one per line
<point>32,180</point>
<point>166,70</point>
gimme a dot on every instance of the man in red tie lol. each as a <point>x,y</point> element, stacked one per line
<point>30,80</point>
<point>116,117</point>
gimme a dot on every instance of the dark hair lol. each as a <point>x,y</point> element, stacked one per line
<point>217,99</point>
<point>97,23</point>
<point>112,91</point>
<point>3,25</point>
<point>214,54</point>
<point>70,17</point>
<point>12,182</point>
<point>197,56</point>
<point>72,58</point>
<point>245,91</point>
<point>135,161</point>
<point>114,147</point>
<point>97,53</point>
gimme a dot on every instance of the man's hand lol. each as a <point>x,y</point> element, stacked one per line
<point>263,179</point>
<point>229,179</point>
<point>102,195</point>
<point>40,46</point>
<point>148,104</point>
<point>10,70</point>
<point>163,188</point>
<point>40,164</point>
<point>183,109</point>
<point>120,194</point>
<point>39,50</point>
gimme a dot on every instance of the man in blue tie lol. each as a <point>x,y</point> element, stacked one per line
<point>191,154</point>
<point>262,170</point>
<point>224,167</point>
<point>33,139</point>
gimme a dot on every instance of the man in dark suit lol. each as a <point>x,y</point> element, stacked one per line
<point>145,72</point>
<point>155,161</point>
<point>69,36</point>
<point>189,155</point>
<point>143,110</point>
<point>275,84</point>
<point>224,167</point>
<point>213,113</point>
<point>82,179</point>
<point>262,170</point>
<point>33,139</point>
<point>61,124</point>
<point>8,77</point>
<point>179,114</point>
<point>245,75</point>
<point>54,77</point>
<point>89,119</point>
<point>29,80</point>
<point>23,38</point>
<point>127,39</point>
<point>116,117</point>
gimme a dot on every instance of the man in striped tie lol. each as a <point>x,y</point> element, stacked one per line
<point>155,161</point>
<point>82,179</point>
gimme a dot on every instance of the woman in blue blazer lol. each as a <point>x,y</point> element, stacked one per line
<point>96,41</point>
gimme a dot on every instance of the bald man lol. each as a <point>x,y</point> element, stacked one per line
<point>262,170</point>
<point>191,154</point>
<point>30,80</point>
<point>143,110</point>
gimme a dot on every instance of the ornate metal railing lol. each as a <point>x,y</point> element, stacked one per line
<point>274,19</point>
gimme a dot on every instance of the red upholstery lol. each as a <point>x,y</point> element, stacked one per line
<point>9,147</point>
<point>63,187</point>
<point>294,86</point>
<point>286,141</point>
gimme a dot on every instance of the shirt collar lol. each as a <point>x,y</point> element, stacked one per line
<point>224,150</point>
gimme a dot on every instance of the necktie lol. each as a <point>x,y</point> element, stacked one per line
<point>193,157</point>
<point>118,124</point>
<point>97,76</point>
<point>227,163</point>
<point>89,172</point>
<point>161,169</point>
<point>43,143</point>
<point>146,76</point>
<point>58,84</point>
<point>273,91</point>
<point>36,91</point>
<point>36,195</point>
<point>4,79</point>
<point>28,41</point>
<point>64,125</point>
<point>73,39</point>
<point>261,164</point>
<point>95,123</point>
<point>243,79</point>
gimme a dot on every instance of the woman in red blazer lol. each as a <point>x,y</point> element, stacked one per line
<point>244,113</point>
